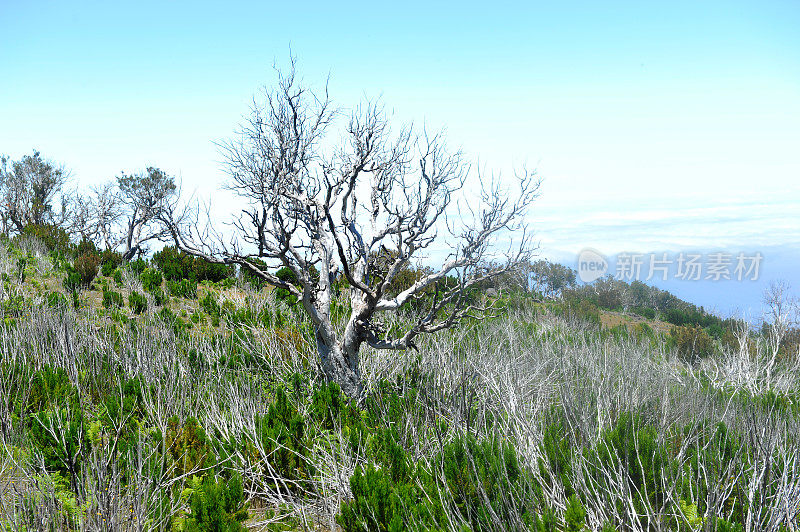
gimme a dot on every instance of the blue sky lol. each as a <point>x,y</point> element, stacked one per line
<point>656,126</point>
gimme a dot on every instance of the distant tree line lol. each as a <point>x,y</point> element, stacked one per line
<point>39,198</point>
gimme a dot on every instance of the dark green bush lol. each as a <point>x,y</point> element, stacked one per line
<point>638,448</point>
<point>60,434</point>
<point>188,446</point>
<point>22,263</point>
<point>282,435</point>
<point>137,302</point>
<point>211,307</point>
<point>73,280</point>
<point>176,265</point>
<point>109,260</point>
<point>287,276</point>
<point>112,299</point>
<point>482,481</point>
<point>575,515</point>
<point>644,312</point>
<point>185,288</point>
<point>117,275</point>
<point>379,503</point>
<point>580,309</point>
<point>159,296</point>
<point>49,386</point>
<point>151,279</point>
<point>217,506</point>
<point>56,300</point>
<point>167,315</point>
<point>55,238</point>
<point>555,465</point>
<point>137,266</point>
<point>255,281</point>
<point>119,417</point>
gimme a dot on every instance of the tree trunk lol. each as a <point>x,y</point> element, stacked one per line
<point>340,364</point>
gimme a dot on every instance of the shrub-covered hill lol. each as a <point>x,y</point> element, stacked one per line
<point>163,395</point>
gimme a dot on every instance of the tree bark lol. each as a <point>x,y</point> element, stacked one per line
<point>340,365</point>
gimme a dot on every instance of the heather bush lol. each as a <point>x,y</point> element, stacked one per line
<point>55,238</point>
<point>216,505</point>
<point>137,302</point>
<point>73,280</point>
<point>109,261</point>
<point>137,266</point>
<point>112,299</point>
<point>185,288</point>
<point>691,343</point>
<point>176,265</point>
<point>86,266</point>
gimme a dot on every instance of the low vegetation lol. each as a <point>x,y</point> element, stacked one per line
<point>207,410</point>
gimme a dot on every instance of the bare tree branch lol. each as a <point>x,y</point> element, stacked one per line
<point>360,210</point>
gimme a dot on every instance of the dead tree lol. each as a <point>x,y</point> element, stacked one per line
<point>328,211</point>
<point>143,197</point>
<point>96,215</point>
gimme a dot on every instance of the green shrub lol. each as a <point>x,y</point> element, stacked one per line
<point>48,386</point>
<point>645,312</point>
<point>210,305</point>
<point>107,268</point>
<point>137,266</point>
<point>56,300</point>
<point>580,309</point>
<point>86,266</point>
<point>72,281</point>
<point>167,315</point>
<point>151,279</point>
<point>170,319</point>
<point>109,260</point>
<point>575,515</point>
<point>159,296</point>
<point>644,330</point>
<point>217,506</point>
<point>85,247</point>
<point>185,288</point>
<point>137,302</point>
<point>176,265</point>
<point>119,416</point>
<point>112,299</point>
<point>282,434</point>
<point>188,446</point>
<point>483,482</point>
<point>60,434</point>
<point>254,280</point>
<point>691,343</point>
<point>555,465</point>
<point>380,504</point>
<point>637,447</point>
<point>287,276</point>
<point>53,237</point>
<point>117,275</point>
<point>22,263</point>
